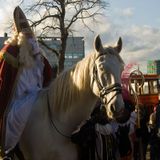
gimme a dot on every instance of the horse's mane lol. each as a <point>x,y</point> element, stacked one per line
<point>74,82</point>
<point>71,83</point>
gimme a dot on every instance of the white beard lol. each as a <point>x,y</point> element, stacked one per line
<point>26,52</point>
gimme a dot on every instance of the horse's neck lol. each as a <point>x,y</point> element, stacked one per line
<point>79,99</point>
<point>78,114</point>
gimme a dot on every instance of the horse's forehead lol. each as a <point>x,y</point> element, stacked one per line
<point>110,50</point>
<point>108,60</point>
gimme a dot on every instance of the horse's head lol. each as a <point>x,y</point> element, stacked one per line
<point>106,82</point>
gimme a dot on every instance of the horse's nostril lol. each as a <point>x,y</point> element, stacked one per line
<point>112,108</point>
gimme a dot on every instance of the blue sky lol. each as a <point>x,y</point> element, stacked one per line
<point>140,24</point>
<point>136,21</point>
<point>143,12</point>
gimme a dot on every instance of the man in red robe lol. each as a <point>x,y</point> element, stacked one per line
<point>10,63</point>
<point>8,72</point>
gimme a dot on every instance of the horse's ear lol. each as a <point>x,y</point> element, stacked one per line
<point>119,45</point>
<point>98,44</point>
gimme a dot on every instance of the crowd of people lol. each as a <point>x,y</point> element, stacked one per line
<point>102,139</point>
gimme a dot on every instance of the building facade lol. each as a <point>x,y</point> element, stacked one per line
<point>74,50</point>
<point>153,67</point>
<point>3,39</point>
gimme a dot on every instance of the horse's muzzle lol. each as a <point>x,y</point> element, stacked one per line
<point>122,116</point>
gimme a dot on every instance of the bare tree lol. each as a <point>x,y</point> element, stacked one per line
<point>56,17</point>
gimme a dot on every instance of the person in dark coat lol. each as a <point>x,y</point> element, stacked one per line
<point>154,130</point>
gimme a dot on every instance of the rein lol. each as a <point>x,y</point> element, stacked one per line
<point>104,90</point>
<point>52,122</point>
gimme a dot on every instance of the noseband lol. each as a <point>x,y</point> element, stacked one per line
<point>104,90</point>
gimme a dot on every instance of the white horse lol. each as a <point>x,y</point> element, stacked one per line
<point>70,100</point>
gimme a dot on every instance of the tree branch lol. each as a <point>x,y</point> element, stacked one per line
<point>49,48</point>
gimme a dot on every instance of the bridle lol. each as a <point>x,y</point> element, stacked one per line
<point>104,90</point>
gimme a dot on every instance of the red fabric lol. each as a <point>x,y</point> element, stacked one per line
<point>7,77</point>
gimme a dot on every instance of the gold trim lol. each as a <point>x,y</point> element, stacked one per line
<point>1,55</point>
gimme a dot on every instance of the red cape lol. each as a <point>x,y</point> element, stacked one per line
<point>7,77</point>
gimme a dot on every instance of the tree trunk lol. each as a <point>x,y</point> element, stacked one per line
<point>61,62</point>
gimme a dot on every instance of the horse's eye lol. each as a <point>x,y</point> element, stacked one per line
<point>101,67</point>
<point>101,59</point>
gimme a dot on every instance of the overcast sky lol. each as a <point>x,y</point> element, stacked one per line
<point>136,21</point>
